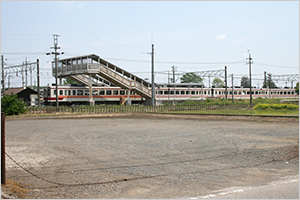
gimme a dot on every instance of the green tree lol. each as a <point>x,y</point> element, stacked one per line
<point>297,88</point>
<point>69,81</point>
<point>245,82</point>
<point>11,105</point>
<point>191,77</point>
<point>269,82</point>
<point>218,83</point>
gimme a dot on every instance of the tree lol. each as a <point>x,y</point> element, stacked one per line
<point>269,82</point>
<point>69,81</point>
<point>245,82</point>
<point>297,88</point>
<point>218,83</point>
<point>11,105</point>
<point>191,77</point>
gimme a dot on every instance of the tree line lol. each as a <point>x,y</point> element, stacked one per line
<point>192,77</point>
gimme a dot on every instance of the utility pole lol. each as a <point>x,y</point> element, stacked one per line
<point>225,82</point>
<point>265,78</point>
<point>55,36</point>
<point>173,70</point>
<point>232,87</point>
<point>38,80</point>
<point>250,62</point>
<point>152,79</point>
<point>23,82</point>
<point>2,81</point>
<point>26,71</point>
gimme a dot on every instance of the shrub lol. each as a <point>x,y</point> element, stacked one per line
<point>262,106</point>
<point>11,105</point>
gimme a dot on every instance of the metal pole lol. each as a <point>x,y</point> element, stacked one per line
<point>30,76</point>
<point>38,80</point>
<point>152,81</point>
<point>26,72</point>
<point>225,82</point>
<point>56,70</point>
<point>250,80</point>
<point>23,82</point>
<point>3,172</point>
<point>232,87</point>
<point>2,81</point>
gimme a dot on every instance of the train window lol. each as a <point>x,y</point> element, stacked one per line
<point>177,91</point>
<point>86,92</point>
<point>187,92</point>
<point>108,92</point>
<point>182,92</point>
<point>161,92</point>
<point>74,92</point>
<point>166,92</point>
<point>204,92</point>
<point>192,92</point>
<point>171,91</point>
<point>122,92</point>
<point>102,92</point>
<point>54,92</point>
<point>80,92</point>
<point>284,92</point>
<point>115,92</point>
<point>67,92</point>
<point>95,92</point>
<point>61,92</point>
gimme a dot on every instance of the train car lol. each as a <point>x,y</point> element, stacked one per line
<point>75,94</point>
<point>79,95</point>
<point>177,93</point>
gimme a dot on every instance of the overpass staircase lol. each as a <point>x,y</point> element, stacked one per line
<point>89,69</point>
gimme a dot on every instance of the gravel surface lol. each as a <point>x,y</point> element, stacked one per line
<point>148,156</point>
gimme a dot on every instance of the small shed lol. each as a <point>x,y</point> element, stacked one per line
<point>28,95</point>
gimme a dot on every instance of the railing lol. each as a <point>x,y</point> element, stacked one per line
<point>135,108</point>
<point>132,83</point>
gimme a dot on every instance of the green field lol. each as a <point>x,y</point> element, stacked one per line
<point>240,112</point>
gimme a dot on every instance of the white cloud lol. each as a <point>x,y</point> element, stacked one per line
<point>80,5</point>
<point>221,37</point>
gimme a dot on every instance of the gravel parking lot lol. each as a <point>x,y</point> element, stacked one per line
<point>148,157</point>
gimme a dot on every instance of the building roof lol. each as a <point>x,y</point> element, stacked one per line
<point>16,90</point>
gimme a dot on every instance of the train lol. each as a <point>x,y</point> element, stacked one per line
<point>79,94</point>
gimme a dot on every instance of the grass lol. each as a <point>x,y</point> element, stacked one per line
<point>240,112</point>
<point>16,188</point>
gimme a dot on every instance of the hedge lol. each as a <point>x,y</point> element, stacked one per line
<point>262,106</point>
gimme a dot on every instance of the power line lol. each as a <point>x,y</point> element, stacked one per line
<point>276,66</point>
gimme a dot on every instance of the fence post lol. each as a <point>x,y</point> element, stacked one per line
<point>3,172</point>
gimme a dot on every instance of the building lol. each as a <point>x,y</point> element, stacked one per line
<point>29,96</point>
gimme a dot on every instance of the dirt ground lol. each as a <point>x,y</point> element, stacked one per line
<point>146,156</point>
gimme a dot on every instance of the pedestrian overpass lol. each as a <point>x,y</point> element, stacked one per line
<point>92,70</point>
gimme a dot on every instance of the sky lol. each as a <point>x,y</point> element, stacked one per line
<point>193,36</point>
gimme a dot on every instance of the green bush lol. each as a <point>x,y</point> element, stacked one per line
<point>263,106</point>
<point>11,105</point>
